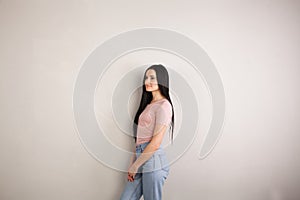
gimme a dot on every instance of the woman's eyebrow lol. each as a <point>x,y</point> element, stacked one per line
<point>151,76</point>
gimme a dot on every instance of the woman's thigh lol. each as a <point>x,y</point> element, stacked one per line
<point>155,172</point>
<point>153,184</point>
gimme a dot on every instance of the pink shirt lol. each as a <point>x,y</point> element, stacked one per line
<point>157,113</point>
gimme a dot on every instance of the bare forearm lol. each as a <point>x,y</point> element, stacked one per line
<point>133,157</point>
<point>146,155</point>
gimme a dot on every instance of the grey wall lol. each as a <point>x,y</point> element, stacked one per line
<point>254,46</point>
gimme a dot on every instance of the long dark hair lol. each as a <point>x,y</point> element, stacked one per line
<point>163,85</point>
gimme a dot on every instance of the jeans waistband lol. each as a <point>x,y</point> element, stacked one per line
<point>140,148</point>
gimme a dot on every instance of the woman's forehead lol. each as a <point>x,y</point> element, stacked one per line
<point>151,72</point>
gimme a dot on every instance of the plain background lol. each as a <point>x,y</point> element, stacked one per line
<point>254,46</point>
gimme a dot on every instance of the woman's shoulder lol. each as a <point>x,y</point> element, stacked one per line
<point>161,104</point>
<point>165,104</point>
<point>164,112</point>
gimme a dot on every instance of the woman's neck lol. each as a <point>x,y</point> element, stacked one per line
<point>156,96</point>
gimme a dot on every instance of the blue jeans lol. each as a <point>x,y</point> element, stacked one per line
<point>150,178</point>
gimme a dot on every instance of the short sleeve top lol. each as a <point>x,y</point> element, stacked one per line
<point>157,113</point>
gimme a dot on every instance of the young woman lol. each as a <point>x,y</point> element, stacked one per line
<point>149,166</point>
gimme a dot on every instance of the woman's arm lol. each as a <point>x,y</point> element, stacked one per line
<point>149,150</point>
<point>132,159</point>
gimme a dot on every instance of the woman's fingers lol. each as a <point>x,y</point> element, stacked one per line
<point>130,178</point>
<point>132,174</point>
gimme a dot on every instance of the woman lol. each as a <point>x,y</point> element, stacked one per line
<point>149,166</point>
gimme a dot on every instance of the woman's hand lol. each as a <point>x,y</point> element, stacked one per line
<point>131,173</point>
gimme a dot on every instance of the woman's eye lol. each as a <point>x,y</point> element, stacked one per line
<point>151,78</point>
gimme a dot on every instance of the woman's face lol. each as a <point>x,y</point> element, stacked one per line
<point>151,83</point>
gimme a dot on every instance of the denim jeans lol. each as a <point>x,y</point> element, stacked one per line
<point>150,178</point>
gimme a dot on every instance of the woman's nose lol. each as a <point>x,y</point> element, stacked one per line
<point>147,81</point>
